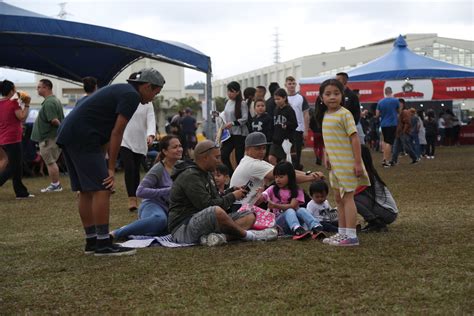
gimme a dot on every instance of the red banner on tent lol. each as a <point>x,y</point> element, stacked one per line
<point>416,89</point>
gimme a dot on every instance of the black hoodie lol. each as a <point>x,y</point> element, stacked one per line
<point>193,190</point>
<point>284,117</point>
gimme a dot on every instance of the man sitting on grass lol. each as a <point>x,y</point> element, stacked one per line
<point>198,213</point>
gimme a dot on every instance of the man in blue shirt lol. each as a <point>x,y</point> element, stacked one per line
<point>387,110</point>
<point>93,129</point>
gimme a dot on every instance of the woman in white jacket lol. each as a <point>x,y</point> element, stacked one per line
<point>138,135</point>
<point>235,116</point>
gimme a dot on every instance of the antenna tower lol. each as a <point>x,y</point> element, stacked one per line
<point>276,42</point>
<point>62,11</point>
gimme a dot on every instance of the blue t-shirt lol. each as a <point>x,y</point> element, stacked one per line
<point>388,108</point>
<point>92,120</point>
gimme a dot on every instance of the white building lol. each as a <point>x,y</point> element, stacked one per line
<point>455,51</point>
<point>69,92</point>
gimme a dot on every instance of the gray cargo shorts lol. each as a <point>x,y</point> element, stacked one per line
<point>200,224</point>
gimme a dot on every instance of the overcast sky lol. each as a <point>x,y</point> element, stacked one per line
<point>238,35</point>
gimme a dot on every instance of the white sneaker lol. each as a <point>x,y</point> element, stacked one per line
<point>268,234</point>
<point>333,239</point>
<point>52,188</point>
<point>212,240</point>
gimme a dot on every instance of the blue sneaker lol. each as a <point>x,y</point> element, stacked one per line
<point>345,242</point>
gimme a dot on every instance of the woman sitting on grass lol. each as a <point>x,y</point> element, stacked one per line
<point>375,202</point>
<point>155,190</point>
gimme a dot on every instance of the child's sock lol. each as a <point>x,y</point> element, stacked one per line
<point>351,232</point>
<point>341,230</point>
<point>250,236</point>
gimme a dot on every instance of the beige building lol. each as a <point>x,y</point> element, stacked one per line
<point>455,51</point>
<point>69,92</point>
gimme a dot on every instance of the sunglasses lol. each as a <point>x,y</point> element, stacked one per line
<point>209,149</point>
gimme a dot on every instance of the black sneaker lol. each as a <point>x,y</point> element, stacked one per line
<point>300,233</point>
<point>317,233</point>
<point>375,227</point>
<point>91,245</point>
<point>114,250</point>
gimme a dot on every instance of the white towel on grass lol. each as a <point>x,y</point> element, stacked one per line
<point>149,241</point>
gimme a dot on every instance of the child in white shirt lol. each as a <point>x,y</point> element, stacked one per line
<point>319,206</point>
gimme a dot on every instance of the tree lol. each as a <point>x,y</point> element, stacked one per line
<point>220,103</point>
<point>196,85</point>
<point>189,102</point>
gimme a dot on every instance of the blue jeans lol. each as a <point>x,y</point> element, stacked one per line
<point>404,141</point>
<point>152,221</point>
<point>290,219</point>
<point>416,145</point>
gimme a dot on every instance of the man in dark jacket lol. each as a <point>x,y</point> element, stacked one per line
<point>198,213</point>
<point>351,101</point>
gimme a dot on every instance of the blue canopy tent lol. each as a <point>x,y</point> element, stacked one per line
<point>401,63</point>
<point>71,50</point>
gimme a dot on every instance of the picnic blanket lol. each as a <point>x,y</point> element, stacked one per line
<point>152,241</point>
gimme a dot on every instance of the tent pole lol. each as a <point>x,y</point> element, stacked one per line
<point>210,105</point>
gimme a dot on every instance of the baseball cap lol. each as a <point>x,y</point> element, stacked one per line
<point>149,75</point>
<point>255,139</point>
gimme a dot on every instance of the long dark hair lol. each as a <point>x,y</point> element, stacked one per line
<point>285,168</point>
<point>282,93</point>
<point>235,86</point>
<point>371,171</point>
<point>6,86</point>
<point>322,108</point>
<point>164,144</point>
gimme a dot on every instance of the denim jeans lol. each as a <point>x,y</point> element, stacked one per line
<point>152,221</point>
<point>416,145</point>
<point>290,219</point>
<point>404,141</point>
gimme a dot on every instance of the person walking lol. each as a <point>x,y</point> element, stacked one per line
<point>45,131</point>
<point>387,110</point>
<point>11,117</point>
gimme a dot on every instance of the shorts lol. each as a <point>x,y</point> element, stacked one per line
<point>389,134</point>
<point>49,151</point>
<point>200,224</point>
<point>87,169</point>
<point>277,151</point>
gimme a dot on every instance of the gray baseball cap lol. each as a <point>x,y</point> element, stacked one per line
<point>149,75</point>
<point>255,139</point>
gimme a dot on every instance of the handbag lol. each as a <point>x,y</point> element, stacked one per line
<point>263,218</point>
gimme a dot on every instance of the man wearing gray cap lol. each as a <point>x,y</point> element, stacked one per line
<point>95,127</point>
<point>256,170</point>
<point>198,213</point>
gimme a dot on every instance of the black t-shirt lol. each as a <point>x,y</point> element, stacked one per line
<point>351,102</point>
<point>92,120</point>
<point>188,124</point>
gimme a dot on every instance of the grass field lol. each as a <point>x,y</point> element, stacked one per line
<point>423,265</point>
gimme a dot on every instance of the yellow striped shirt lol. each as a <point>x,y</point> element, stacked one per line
<point>337,129</point>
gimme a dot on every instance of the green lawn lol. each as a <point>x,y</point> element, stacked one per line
<point>424,265</point>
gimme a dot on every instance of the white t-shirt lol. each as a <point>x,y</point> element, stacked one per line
<point>141,125</point>
<point>296,101</point>
<point>250,169</point>
<point>315,209</point>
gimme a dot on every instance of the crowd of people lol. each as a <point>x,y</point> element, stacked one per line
<point>244,187</point>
